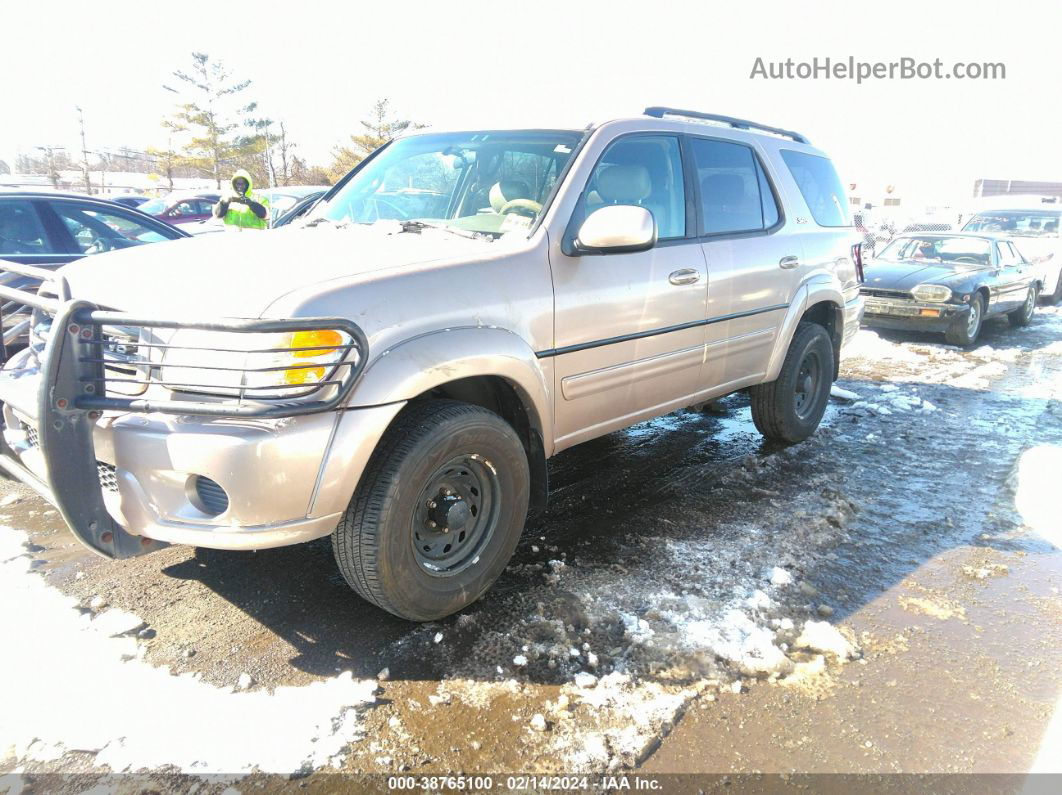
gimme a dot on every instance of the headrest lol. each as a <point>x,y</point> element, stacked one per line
<point>17,225</point>
<point>624,183</point>
<point>507,190</point>
<point>723,189</point>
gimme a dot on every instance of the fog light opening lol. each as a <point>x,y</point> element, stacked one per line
<point>207,495</point>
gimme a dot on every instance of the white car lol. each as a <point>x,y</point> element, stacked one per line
<point>1035,233</point>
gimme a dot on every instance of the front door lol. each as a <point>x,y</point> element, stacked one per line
<point>629,328</point>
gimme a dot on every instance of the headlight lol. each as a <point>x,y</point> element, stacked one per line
<point>258,365</point>
<point>931,293</point>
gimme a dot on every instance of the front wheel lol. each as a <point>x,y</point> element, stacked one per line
<point>438,512</point>
<point>1021,317</point>
<point>790,408</point>
<point>965,329</point>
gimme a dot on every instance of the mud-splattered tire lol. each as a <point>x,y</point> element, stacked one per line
<point>790,408</point>
<point>965,330</point>
<point>1021,317</point>
<point>438,512</point>
<point>1056,296</point>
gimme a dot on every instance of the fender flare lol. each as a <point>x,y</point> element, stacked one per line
<point>420,363</point>
<point>816,290</point>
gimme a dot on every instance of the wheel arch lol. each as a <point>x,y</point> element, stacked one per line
<point>819,302</point>
<point>488,367</point>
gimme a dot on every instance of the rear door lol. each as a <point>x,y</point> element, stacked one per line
<point>629,327</point>
<point>752,270</point>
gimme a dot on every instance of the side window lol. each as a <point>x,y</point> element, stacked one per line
<point>1007,256</point>
<point>20,229</point>
<point>735,193</point>
<point>820,186</point>
<point>96,231</point>
<point>182,209</point>
<point>645,171</point>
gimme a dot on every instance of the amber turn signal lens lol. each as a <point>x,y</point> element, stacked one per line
<point>324,340</point>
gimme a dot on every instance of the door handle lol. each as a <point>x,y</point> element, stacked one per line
<point>684,276</point>
<point>786,263</point>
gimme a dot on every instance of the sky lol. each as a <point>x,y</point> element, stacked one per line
<point>320,66</point>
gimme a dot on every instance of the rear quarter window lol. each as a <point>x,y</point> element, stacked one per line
<point>820,186</point>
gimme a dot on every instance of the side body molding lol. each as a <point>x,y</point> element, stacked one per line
<point>416,365</point>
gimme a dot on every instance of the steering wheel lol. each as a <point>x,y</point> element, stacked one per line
<point>528,207</point>
<point>400,214</point>
<point>99,243</point>
<point>970,260</point>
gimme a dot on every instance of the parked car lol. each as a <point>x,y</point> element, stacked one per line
<point>1035,232</point>
<point>460,308</point>
<point>49,229</point>
<point>133,200</point>
<point>949,283</point>
<point>282,199</point>
<point>179,209</point>
<point>299,209</point>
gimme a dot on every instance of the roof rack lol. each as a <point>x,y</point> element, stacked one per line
<point>741,124</point>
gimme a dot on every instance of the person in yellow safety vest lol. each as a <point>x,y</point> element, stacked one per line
<point>241,209</point>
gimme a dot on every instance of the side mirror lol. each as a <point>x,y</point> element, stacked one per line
<point>616,229</point>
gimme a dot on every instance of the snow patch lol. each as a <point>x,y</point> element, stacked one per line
<point>93,697</point>
<point>821,636</point>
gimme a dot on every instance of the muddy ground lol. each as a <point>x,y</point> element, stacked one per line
<point>881,598</point>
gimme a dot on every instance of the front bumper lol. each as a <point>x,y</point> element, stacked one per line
<point>123,471</point>
<point>911,315</point>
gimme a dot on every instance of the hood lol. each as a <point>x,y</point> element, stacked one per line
<point>241,172</point>
<point>241,275</point>
<point>905,275</point>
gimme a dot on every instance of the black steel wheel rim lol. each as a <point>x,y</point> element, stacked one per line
<point>807,384</point>
<point>456,515</point>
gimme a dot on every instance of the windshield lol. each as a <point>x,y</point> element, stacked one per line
<point>491,182</point>
<point>959,250</point>
<point>153,206</point>
<point>1016,223</point>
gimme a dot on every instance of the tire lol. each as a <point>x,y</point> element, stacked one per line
<point>1021,317</point>
<point>1056,296</point>
<point>789,408</point>
<point>964,331</point>
<point>386,546</point>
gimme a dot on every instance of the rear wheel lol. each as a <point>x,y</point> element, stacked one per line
<point>438,513</point>
<point>965,329</point>
<point>790,407</point>
<point>1056,296</point>
<point>1021,317</point>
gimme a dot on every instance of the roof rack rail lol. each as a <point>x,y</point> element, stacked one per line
<point>741,124</point>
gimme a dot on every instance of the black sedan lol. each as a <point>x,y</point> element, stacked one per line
<point>949,283</point>
<point>52,229</point>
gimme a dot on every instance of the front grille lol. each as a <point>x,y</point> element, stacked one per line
<point>108,480</point>
<point>873,292</point>
<point>31,437</point>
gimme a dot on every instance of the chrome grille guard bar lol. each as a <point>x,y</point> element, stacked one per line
<point>72,391</point>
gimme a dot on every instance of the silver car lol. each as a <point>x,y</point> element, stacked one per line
<point>396,369</point>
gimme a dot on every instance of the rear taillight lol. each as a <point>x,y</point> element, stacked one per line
<point>857,258</point>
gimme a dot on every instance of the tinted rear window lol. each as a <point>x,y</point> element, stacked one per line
<point>820,186</point>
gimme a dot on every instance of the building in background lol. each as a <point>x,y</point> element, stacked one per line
<point>1009,187</point>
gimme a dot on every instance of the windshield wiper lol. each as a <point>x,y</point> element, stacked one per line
<point>418,226</point>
